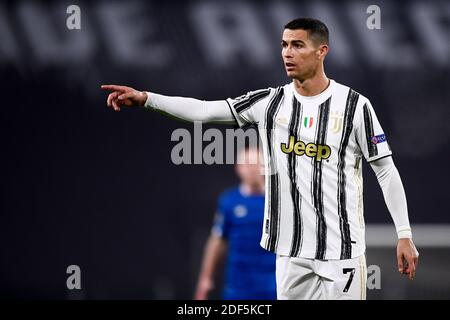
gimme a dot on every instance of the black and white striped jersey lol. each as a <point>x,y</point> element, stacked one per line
<point>313,148</point>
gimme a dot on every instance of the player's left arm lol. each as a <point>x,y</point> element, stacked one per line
<point>395,198</point>
<point>375,148</point>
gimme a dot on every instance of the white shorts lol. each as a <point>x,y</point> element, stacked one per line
<point>310,279</point>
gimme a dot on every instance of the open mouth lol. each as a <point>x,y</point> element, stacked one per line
<point>289,65</point>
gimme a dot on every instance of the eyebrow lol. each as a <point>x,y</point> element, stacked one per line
<point>293,41</point>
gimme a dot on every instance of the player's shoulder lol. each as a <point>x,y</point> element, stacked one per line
<point>276,89</point>
<point>283,89</point>
<point>271,91</point>
<point>268,92</point>
<point>252,92</point>
<point>280,90</point>
<point>340,87</point>
<point>254,95</point>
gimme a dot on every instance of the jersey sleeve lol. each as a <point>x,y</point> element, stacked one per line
<point>220,225</point>
<point>247,108</point>
<point>369,133</point>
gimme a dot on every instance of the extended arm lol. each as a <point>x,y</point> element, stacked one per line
<point>215,251</point>
<point>394,196</point>
<point>188,109</point>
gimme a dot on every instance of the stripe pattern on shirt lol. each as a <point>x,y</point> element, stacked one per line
<point>316,188</point>
<point>368,124</point>
<point>274,179</point>
<point>250,100</point>
<point>294,130</point>
<point>349,113</point>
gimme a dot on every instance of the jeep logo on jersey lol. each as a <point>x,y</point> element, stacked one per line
<point>311,150</point>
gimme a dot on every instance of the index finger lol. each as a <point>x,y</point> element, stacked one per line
<point>113,87</point>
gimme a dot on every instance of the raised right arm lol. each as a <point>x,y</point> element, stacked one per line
<point>188,109</point>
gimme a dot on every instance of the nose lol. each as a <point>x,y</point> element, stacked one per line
<point>286,52</point>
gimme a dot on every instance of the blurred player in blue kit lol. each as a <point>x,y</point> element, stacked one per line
<point>250,270</point>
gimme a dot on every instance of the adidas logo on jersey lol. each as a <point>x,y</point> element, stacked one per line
<point>312,150</point>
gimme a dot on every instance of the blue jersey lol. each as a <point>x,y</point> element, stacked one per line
<point>250,270</point>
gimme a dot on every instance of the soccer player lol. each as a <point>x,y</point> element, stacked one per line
<point>250,270</point>
<point>314,132</point>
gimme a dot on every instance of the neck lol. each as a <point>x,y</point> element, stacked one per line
<point>254,188</point>
<point>312,86</point>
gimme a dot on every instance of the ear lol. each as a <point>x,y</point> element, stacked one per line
<point>322,51</point>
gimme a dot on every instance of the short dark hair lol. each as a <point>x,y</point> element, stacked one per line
<point>317,30</point>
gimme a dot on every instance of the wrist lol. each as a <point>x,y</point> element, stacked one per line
<point>404,234</point>
<point>144,101</point>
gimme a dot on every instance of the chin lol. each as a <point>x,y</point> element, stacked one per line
<point>292,74</point>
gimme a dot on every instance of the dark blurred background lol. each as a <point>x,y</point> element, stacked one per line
<point>83,185</point>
